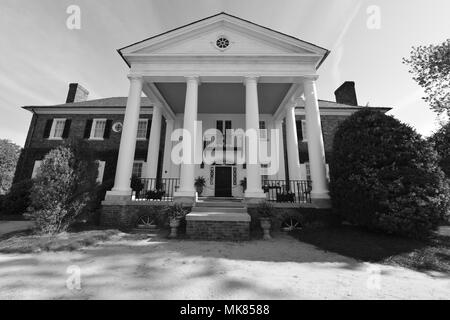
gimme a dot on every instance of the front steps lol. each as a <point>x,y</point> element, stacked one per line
<point>218,219</point>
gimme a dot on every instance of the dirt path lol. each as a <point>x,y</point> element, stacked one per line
<point>283,268</point>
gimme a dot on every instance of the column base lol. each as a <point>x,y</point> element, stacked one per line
<point>254,196</point>
<point>321,200</point>
<point>118,195</point>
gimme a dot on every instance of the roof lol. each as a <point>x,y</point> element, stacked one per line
<point>106,102</point>
<point>232,16</point>
<point>121,102</point>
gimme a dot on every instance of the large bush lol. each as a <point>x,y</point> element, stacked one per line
<point>63,188</point>
<point>441,141</point>
<point>9,155</point>
<point>384,176</point>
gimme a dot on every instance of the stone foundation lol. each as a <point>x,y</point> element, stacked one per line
<point>218,230</point>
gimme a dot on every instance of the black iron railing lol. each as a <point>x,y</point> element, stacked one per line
<point>294,191</point>
<point>153,189</point>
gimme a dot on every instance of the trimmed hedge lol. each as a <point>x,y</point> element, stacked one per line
<point>384,176</point>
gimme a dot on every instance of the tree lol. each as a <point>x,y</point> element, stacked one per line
<point>385,176</point>
<point>441,141</point>
<point>9,155</point>
<point>430,66</point>
<point>63,188</point>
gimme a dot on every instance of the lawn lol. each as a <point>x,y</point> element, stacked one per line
<point>351,241</point>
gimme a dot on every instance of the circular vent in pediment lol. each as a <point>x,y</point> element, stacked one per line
<point>222,43</point>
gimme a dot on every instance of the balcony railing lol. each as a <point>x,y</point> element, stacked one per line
<point>156,189</point>
<point>291,191</point>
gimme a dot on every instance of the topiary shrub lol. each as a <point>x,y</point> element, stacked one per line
<point>384,176</point>
<point>18,198</point>
<point>63,187</point>
<point>441,141</point>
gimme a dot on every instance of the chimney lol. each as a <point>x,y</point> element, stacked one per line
<point>76,93</point>
<point>346,94</point>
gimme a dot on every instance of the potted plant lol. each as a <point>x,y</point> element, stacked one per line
<point>136,185</point>
<point>243,184</point>
<point>155,194</point>
<point>285,196</point>
<point>175,213</point>
<point>265,211</point>
<point>199,184</point>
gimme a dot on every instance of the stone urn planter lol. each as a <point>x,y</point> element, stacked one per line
<point>266,225</point>
<point>266,212</point>
<point>174,224</point>
<point>175,214</point>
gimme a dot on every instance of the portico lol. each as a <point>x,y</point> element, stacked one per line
<point>225,70</point>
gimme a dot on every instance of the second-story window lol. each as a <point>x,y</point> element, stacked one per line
<point>98,129</point>
<point>142,129</point>
<point>262,130</point>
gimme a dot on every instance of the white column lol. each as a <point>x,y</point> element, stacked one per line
<point>128,140</point>
<point>153,143</point>
<point>254,189</point>
<point>316,148</point>
<point>167,162</point>
<point>281,169</point>
<point>187,170</point>
<point>292,144</point>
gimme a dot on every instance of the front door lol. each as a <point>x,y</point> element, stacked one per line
<point>223,182</point>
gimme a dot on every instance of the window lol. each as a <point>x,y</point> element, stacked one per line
<point>98,129</point>
<point>305,138</point>
<point>57,128</point>
<point>262,130</point>
<point>308,171</point>
<point>142,129</point>
<point>138,168</point>
<point>36,168</point>
<point>225,128</point>
<point>101,170</point>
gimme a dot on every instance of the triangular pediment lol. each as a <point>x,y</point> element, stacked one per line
<point>244,38</point>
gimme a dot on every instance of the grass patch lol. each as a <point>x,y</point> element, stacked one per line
<point>66,241</point>
<point>358,243</point>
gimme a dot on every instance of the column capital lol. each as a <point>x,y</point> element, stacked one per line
<point>192,79</point>
<point>134,76</point>
<point>310,79</point>
<point>250,79</point>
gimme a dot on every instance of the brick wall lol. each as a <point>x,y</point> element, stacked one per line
<point>329,127</point>
<point>218,230</point>
<point>36,146</point>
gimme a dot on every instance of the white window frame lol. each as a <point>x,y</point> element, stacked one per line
<point>304,131</point>
<point>94,123</point>
<point>145,131</point>
<point>101,170</point>
<point>261,135</point>
<point>52,130</point>
<point>36,168</point>
<point>143,167</point>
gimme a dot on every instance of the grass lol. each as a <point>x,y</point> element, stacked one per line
<point>24,242</point>
<point>430,255</point>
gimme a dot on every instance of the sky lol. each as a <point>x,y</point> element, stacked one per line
<point>40,56</point>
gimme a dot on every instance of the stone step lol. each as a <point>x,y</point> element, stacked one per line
<point>220,209</point>
<point>218,216</point>
<point>220,199</point>
<point>222,204</point>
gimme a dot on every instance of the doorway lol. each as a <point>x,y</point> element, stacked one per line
<point>222,185</point>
